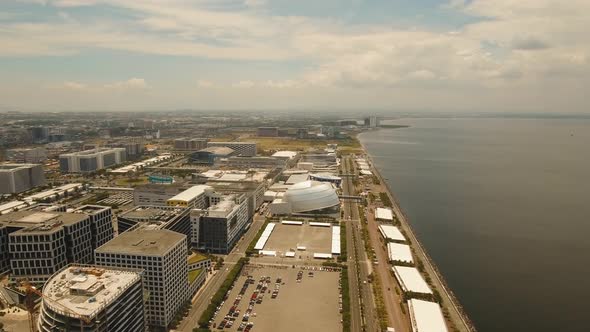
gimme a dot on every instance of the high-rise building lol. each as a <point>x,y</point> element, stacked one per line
<point>16,178</point>
<point>28,155</point>
<point>91,160</point>
<point>372,121</point>
<point>34,244</point>
<point>93,299</point>
<point>245,149</point>
<point>218,228</point>
<point>162,254</point>
<point>101,223</point>
<point>43,243</point>
<point>39,134</point>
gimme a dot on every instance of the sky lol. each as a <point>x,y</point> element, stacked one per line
<point>324,55</point>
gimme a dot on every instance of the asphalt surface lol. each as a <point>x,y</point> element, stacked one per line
<point>363,313</point>
<point>204,296</point>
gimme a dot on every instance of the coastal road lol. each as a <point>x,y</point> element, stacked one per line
<point>204,297</point>
<point>363,313</point>
<point>457,317</point>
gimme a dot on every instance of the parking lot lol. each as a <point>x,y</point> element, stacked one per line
<point>273,299</point>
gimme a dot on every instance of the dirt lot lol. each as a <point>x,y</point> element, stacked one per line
<point>288,237</point>
<point>15,320</point>
<point>309,305</point>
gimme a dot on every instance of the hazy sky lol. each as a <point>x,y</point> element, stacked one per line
<point>480,55</point>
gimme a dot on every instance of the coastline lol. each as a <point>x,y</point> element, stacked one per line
<point>450,304</point>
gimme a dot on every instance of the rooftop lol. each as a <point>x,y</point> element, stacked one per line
<point>13,167</point>
<point>152,213</point>
<point>85,291</point>
<point>219,150</point>
<point>223,208</point>
<point>143,242</point>
<point>191,193</point>
<point>40,222</point>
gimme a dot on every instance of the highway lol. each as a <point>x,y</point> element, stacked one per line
<point>363,313</point>
<point>203,298</point>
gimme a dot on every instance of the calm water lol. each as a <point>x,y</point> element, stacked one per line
<point>503,207</point>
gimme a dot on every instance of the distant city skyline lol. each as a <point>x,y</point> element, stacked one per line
<point>433,55</point>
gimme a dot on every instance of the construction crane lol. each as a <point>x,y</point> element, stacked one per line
<point>31,291</point>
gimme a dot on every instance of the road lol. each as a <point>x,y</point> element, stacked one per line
<point>363,315</point>
<point>204,297</point>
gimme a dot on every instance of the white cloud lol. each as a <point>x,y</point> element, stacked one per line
<point>130,84</point>
<point>75,86</point>
<point>205,84</point>
<point>244,84</point>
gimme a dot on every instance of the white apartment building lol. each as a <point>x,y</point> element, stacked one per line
<point>91,160</point>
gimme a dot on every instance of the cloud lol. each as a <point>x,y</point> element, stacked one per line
<point>75,86</point>
<point>130,84</point>
<point>505,44</point>
<point>529,44</point>
<point>205,84</point>
<point>244,84</point>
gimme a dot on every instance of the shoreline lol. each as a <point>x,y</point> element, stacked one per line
<point>450,303</point>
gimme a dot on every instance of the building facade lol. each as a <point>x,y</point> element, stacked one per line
<point>16,178</point>
<point>218,228</point>
<point>41,243</point>
<point>162,254</point>
<point>91,160</point>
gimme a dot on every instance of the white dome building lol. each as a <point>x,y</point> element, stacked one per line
<point>308,197</point>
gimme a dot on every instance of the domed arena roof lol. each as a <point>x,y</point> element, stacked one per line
<point>310,196</point>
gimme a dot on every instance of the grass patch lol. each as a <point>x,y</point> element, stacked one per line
<point>196,257</point>
<point>345,299</point>
<point>193,275</point>
<point>132,181</point>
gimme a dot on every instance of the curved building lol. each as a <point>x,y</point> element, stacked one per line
<point>312,197</point>
<point>88,299</point>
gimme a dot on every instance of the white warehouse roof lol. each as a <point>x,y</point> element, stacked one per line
<point>411,280</point>
<point>391,232</point>
<point>190,194</point>
<point>426,316</point>
<point>384,213</point>
<point>311,195</point>
<point>399,252</point>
